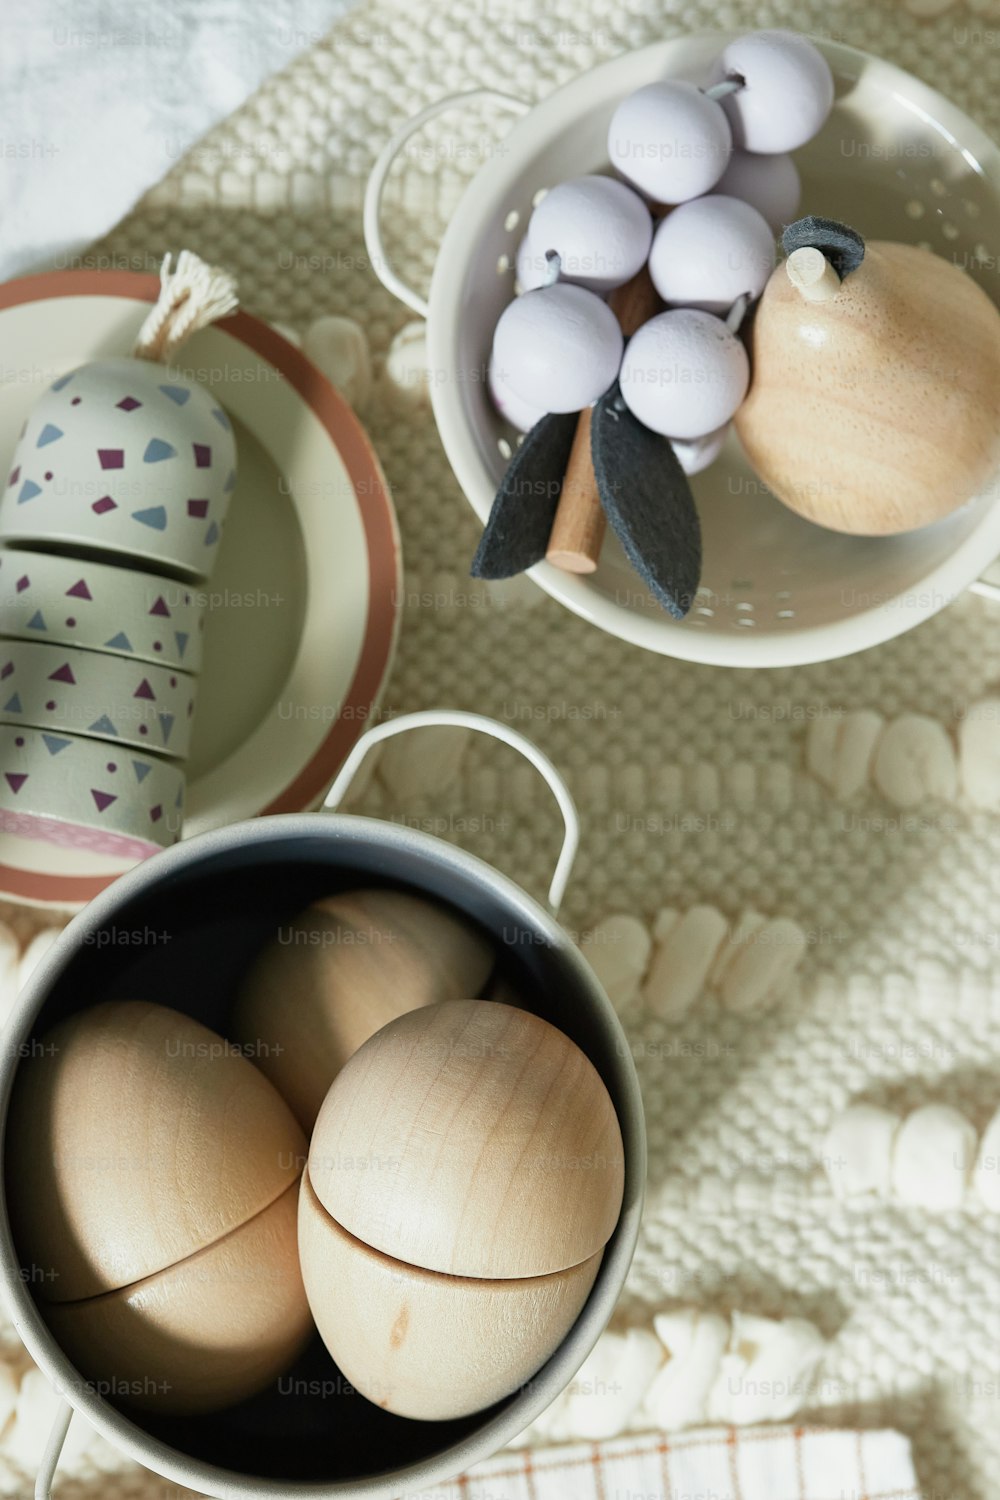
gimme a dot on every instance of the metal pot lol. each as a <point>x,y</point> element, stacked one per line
<point>179,929</point>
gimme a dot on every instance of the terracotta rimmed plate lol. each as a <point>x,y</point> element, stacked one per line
<point>302,609</point>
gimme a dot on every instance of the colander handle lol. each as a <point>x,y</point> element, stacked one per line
<point>376,186</point>
<point>460,720</point>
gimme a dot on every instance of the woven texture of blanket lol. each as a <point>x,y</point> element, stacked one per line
<point>692,781</point>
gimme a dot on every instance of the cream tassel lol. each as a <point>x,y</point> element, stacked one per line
<point>191,296</point>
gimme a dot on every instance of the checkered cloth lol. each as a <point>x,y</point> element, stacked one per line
<point>752,1463</point>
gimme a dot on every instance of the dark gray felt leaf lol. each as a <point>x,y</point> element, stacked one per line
<point>843,247</point>
<point>520,523</point>
<point>648,502</point>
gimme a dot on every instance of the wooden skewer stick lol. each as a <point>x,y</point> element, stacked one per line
<point>812,275</point>
<point>579,526</point>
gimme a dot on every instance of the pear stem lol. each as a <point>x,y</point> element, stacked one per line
<point>812,275</point>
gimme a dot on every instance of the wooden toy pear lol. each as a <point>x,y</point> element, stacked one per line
<point>875,400</point>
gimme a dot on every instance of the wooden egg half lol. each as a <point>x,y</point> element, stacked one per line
<point>204,1333</point>
<point>876,409</point>
<point>340,971</point>
<point>423,1345</point>
<point>152,1176</point>
<point>464,1177</point>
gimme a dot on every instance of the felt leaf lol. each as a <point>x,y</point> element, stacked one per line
<point>520,522</point>
<point>843,247</point>
<point>648,502</point>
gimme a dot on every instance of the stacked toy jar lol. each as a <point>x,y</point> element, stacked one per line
<point>109,523</point>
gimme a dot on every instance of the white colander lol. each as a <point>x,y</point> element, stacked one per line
<point>896,161</point>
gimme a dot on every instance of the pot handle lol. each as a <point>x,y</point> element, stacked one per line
<point>987,588</point>
<point>439,718</point>
<point>376,186</point>
<point>53,1448</point>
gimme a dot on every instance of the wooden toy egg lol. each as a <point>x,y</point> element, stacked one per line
<point>336,974</point>
<point>464,1177</point>
<point>152,1195</point>
<point>128,456</point>
<point>875,400</point>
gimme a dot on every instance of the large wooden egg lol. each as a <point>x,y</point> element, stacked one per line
<point>336,974</point>
<point>875,400</point>
<point>464,1177</point>
<point>152,1181</point>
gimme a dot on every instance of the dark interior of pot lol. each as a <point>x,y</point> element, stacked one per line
<point>185,941</point>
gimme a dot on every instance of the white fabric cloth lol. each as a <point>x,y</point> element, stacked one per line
<point>757,1463</point>
<point>98,100</point>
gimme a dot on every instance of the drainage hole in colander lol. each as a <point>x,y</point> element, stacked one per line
<point>746,620</point>
<point>786,614</point>
<point>505,449</point>
<point>704,609</point>
<point>512,220</point>
<point>537,197</point>
<point>503,265</point>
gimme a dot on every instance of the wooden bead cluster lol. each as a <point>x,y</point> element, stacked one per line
<point>717,159</point>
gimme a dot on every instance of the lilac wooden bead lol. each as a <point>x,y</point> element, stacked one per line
<point>530,270</point>
<point>518,413</point>
<point>670,140</point>
<point>695,454</point>
<point>787,90</point>
<point>684,373</point>
<point>558,347</point>
<point>600,229</point>
<point>710,251</point>
<point>769,183</point>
